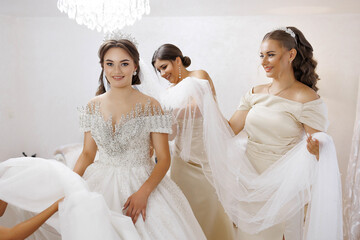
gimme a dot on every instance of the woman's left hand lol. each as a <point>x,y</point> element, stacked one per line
<point>313,146</point>
<point>136,204</point>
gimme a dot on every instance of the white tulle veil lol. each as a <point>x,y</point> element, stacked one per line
<point>256,202</point>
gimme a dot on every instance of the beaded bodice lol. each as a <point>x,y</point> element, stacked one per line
<point>128,143</point>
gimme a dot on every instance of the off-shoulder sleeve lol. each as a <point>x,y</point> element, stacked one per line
<point>85,118</point>
<point>245,102</point>
<point>161,121</point>
<point>314,115</point>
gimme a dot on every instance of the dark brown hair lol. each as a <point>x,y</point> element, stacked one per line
<point>170,52</point>
<point>130,48</point>
<point>303,65</point>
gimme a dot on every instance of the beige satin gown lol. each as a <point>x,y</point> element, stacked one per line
<point>197,189</point>
<point>275,125</point>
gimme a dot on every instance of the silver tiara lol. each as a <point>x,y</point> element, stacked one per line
<point>118,35</point>
<point>289,31</point>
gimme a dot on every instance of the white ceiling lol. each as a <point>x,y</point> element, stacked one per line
<point>47,8</point>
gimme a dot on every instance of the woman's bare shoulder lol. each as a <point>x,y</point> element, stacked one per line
<point>201,74</point>
<point>305,93</point>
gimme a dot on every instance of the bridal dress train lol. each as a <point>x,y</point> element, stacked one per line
<point>93,205</point>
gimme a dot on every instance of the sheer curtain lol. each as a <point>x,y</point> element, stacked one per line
<point>352,184</point>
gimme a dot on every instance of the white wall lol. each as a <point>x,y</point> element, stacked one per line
<point>53,71</point>
<point>10,110</point>
<point>49,67</point>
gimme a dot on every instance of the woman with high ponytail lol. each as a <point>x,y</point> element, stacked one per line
<point>188,157</point>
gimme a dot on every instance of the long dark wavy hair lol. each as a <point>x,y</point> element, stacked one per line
<point>170,52</point>
<point>130,48</point>
<point>304,64</point>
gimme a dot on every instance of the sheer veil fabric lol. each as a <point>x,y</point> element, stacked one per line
<point>82,214</point>
<point>256,202</point>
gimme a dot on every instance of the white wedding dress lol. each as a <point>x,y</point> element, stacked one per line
<point>124,165</point>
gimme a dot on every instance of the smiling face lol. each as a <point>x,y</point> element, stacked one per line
<point>168,69</point>
<point>275,59</point>
<point>118,67</point>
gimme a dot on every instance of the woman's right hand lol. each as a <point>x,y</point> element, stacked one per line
<point>136,204</point>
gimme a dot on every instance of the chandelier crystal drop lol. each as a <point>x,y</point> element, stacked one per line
<point>104,15</point>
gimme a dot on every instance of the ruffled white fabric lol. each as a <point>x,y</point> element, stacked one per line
<point>256,202</point>
<point>33,184</point>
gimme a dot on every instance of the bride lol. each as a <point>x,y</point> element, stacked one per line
<point>121,124</point>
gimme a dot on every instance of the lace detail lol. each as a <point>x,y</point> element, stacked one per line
<point>128,142</point>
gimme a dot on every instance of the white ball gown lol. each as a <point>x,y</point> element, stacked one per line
<point>124,164</point>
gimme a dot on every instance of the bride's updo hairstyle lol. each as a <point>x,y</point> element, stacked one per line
<point>303,65</point>
<point>170,52</point>
<point>130,48</point>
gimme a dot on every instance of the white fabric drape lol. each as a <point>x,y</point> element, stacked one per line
<point>33,184</point>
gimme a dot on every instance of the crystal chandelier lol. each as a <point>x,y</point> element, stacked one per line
<point>105,15</point>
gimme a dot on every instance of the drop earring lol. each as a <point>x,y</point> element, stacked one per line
<point>179,72</point>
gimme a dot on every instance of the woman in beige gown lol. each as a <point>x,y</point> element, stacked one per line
<point>276,115</point>
<point>274,125</point>
<point>188,153</point>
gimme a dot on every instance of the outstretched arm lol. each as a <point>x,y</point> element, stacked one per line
<point>137,202</point>
<point>25,229</point>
